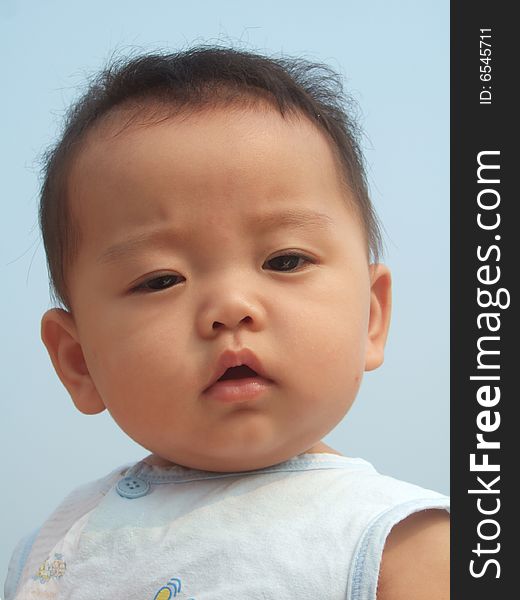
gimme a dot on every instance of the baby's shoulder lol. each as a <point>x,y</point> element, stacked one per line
<point>416,558</point>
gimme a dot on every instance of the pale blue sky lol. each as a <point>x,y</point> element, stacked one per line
<point>395,58</point>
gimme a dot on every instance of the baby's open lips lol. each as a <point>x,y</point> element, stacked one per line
<point>238,373</point>
<point>236,365</point>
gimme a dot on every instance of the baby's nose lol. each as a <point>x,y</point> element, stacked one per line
<point>230,311</point>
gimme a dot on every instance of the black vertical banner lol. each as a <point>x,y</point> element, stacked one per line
<point>484,325</point>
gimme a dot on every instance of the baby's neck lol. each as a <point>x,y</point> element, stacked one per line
<point>319,448</point>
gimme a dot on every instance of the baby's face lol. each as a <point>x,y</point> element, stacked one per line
<point>203,236</point>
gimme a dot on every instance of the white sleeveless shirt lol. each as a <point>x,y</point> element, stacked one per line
<point>313,527</point>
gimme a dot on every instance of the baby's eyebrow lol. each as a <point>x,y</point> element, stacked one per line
<point>292,218</point>
<point>132,245</point>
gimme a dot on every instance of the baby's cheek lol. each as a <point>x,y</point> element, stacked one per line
<point>343,344</point>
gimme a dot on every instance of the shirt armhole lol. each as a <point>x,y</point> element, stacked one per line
<point>364,574</point>
<point>17,563</point>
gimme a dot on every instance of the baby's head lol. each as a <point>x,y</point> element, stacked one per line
<point>203,211</point>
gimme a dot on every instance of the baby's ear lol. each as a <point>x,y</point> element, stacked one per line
<point>380,309</point>
<point>60,336</point>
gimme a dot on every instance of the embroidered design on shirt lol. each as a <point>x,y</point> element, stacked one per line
<point>170,590</point>
<point>52,568</point>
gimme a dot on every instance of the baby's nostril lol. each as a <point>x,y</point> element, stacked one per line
<point>238,373</point>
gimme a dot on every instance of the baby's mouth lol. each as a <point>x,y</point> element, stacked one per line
<point>239,372</point>
<point>237,385</point>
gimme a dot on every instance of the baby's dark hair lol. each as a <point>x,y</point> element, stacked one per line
<point>201,77</point>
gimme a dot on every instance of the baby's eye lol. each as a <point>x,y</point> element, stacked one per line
<point>287,262</point>
<point>158,283</point>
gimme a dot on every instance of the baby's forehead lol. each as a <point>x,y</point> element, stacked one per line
<point>129,135</point>
<point>202,166</point>
<point>126,137</point>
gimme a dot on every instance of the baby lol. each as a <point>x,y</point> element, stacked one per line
<point>210,238</point>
